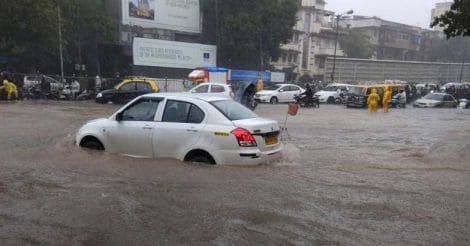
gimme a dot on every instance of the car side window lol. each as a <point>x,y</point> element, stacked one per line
<point>142,110</point>
<point>448,98</point>
<point>196,115</point>
<point>201,89</point>
<point>128,87</point>
<point>285,88</point>
<point>217,89</point>
<point>142,86</point>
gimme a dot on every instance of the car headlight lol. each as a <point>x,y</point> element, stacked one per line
<point>99,95</point>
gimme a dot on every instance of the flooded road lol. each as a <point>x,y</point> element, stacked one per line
<point>346,178</point>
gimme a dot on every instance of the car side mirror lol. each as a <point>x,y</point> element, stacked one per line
<point>281,90</point>
<point>119,117</point>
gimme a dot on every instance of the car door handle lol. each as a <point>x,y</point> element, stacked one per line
<point>191,130</point>
<point>147,127</point>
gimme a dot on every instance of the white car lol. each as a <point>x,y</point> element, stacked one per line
<point>213,89</point>
<point>332,92</point>
<point>277,93</point>
<point>194,128</point>
<point>434,100</point>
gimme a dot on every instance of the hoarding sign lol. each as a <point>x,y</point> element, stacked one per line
<point>178,15</point>
<point>249,75</point>
<point>161,53</point>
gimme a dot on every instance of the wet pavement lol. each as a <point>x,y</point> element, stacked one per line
<point>346,178</point>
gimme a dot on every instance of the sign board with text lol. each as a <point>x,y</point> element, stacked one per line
<point>177,15</point>
<point>171,54</point>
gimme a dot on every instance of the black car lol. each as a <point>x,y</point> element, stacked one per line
<point>127,90</point>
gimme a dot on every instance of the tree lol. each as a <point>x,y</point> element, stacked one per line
<point>86,26</point>
<point>456,22</point>
<point>356,44</point>
<point>249,33</point>
<point>29,32</point>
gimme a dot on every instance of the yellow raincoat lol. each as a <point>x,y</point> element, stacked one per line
<point>387,99</point>
<point>10,89</point>
<point>373,101</point>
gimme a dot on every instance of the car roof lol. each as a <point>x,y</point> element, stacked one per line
<point>176,96</point>
<point>208,83</point>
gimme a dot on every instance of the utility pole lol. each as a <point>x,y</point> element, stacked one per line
<point>338,17</point>
<point>463,64</point>
<point>217,30</point>
<point>336,46</point>
<point>60,46</point>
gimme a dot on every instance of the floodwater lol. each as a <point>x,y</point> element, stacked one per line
<point>346,178</point>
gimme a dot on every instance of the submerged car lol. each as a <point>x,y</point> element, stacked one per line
<point>434,100</point>
<point>188,127</point>
<point>277,93</point>
<point>128,90</point>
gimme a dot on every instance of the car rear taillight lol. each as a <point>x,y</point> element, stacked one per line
<point>244,138</point>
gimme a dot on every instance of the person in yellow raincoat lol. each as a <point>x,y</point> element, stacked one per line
<point>10,89</point>
<point>387,99</point>
<point>373,101</point>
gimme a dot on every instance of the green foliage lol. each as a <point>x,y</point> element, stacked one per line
<point>446,50</point>
<point>356,44</point>
<point>29,31</point>
<point>456,21</point>
<point>250,32</point>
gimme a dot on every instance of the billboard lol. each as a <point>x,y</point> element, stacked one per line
<point>178,15</point>
<point>171,54</point>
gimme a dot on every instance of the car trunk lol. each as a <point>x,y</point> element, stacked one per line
<point>265,131</point>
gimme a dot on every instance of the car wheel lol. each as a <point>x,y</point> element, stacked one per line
<point>92,143</point>
<point>274,100</point>
<point>331,100</point>
<point>199,156</point>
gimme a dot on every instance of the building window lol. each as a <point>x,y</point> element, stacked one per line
<point>320,61</point>
<point>284,58</point>
<point>295,58</point>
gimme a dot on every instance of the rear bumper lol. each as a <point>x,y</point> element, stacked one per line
<point>247,156</point>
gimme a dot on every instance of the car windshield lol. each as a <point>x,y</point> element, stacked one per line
<point>433,96</point>
<point>233,110</point>
<point>272,87</point>
<point>356,91</point>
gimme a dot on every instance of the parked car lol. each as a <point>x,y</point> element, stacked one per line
<point>188,127</point>
<point>277,93</point>
<point>332,93</point>
<point>434,100</point>
<point>213,89</point>
<point>128,90</point>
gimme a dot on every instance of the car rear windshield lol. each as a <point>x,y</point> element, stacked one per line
<point>233,110</point>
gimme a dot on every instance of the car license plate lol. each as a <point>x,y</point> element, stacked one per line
<point>271,139</point>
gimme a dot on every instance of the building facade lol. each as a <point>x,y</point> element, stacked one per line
<point>390,40</point>
<point>312,42</point>
<point>439,10</point>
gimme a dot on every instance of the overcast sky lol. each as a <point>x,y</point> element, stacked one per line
<point>412,12</point>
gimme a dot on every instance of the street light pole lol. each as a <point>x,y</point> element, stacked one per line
<point>60,47</point>
<point>338,17</point>
<point>336,46</point>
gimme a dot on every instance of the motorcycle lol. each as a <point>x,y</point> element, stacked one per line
<point>302,101</point>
